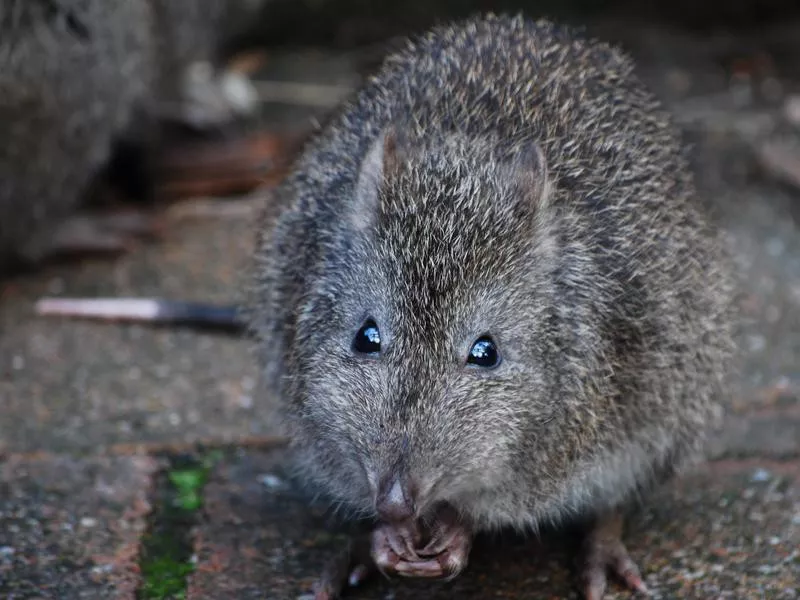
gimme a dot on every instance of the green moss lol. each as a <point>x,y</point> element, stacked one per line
<point>189,486</point>
<point>165,577</point>
<point>166,557</point>
<point>189,482</point>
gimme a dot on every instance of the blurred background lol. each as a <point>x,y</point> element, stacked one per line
<point>139,140</point>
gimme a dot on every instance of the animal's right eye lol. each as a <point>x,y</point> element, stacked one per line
<point>484,353</point>
<point>368,338</point>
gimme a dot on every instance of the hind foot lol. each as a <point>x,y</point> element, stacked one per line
<point>348,569</point>
<point>603,551</point>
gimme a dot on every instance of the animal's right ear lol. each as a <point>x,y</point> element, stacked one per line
<point>382,158</point>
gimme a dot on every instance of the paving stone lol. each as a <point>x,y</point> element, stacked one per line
<point>766,426</point>
<point>773,435</point>
<point>70,528</point>
<point>728,530</point>
<point>69,385</point>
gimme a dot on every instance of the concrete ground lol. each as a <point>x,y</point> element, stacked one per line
<point>93,415</point>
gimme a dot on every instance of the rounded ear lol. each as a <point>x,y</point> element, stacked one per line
<point>527,167</point>
<point>383,157</point>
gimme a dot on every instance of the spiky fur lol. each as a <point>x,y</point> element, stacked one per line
<point>74,74</point>
<point>538,192</point>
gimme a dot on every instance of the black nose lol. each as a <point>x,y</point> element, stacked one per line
<point>396,499</point>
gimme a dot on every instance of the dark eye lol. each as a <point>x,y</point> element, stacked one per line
<point>484,353</point>
<point>368,338</point>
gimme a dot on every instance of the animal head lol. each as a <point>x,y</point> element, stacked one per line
<point>422,344</point>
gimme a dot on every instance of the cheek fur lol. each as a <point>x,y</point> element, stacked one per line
<point>471,429</point>
<point>346,400</point>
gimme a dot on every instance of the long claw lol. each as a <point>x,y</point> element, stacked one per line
<point>447,530</point>
<point>400,539</point>
<point>410,536</point>
<point>439,544</point>
<point>627,570</point>
<point>421,568</point>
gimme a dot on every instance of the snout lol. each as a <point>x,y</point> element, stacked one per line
<point>396,498</point>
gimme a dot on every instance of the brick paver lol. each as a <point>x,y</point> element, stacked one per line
<point>71,528</point>
<point>728,530</point>
<point>69,385</point>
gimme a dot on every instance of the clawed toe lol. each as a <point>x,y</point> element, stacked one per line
<point>604,552</point>
<point>446,553</point>
<point>448,564</point>
<point>619,563</point>
<point>392,550</point>
<point>393,544</point>
<point>349,567</point>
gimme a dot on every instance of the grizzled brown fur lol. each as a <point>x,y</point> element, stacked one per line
<point>506,177</point>
<point>75,74</point>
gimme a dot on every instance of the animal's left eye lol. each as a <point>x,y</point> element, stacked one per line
<point>484,353</point>
<point>368,338</point>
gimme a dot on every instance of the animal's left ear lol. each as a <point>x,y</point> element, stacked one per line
<point>527,167</point>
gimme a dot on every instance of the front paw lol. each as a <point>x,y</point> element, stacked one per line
<point>394,543</point>
<point>395,551</point>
